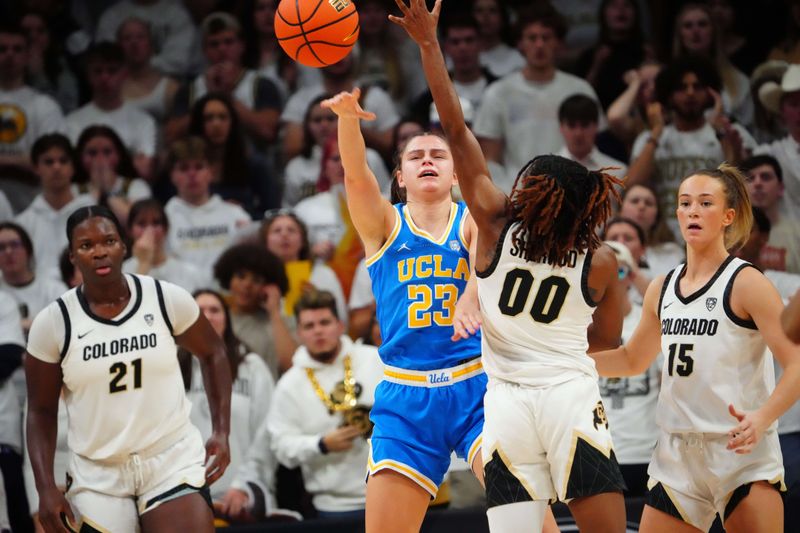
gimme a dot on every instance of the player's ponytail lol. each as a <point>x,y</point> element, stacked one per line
<point>736,198</point>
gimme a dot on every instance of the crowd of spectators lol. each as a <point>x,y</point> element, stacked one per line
<point>210,145</point>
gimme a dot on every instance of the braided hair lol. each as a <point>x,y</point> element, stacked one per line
<point>559,204</point>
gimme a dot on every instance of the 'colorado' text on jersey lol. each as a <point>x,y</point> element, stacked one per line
<point>417,280</point>
<point>535,317</point>
<point>712,358</point>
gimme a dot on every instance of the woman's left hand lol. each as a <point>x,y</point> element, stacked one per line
<point>746,435</point>
<point>216,447</point>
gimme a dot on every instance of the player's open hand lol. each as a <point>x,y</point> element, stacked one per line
<point>466,319</point>
<point>345,104</point>
<point>419,23</point>
<point>54,511</point>
<point>745,436</point>
<point>219,453</point>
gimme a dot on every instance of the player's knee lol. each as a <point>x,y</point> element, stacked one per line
<point>517,517</point>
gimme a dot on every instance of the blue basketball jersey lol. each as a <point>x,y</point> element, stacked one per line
<point>417,280</point>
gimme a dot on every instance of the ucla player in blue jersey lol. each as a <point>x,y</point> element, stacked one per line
<point>431,401</point>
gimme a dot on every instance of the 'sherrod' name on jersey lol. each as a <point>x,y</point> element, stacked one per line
<point>119,346</point>
<point>689,326</point>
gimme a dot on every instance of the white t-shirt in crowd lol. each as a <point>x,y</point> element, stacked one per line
<point>782,251</point>
<point>502,60</point>
<point>663,257</point>
<point>175,271</point>
<point>376,100</point>
<point>136,128</point>
<point>199,234</point>
<point>137,189</point>
<point>361,291</point>
<point>6,212</point>
<point>47,229</point>
<point>171,28</point>
<point>10,413</point>
<point>524,115</point>
<point>301,175</point>
<point>26,115</point>
<point>597,160</point>
<point>36,295</point>
<point>787,152</point>
<point>322,216</point>
<point>251,394</point>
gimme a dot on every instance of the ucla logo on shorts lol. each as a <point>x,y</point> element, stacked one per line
<point>455,245</point>
<point>148,319</point>
<point>600,416</point>
<point>711,303</point>
<point>439,377</point>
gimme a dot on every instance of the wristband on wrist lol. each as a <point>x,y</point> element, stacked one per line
<point>321,445</point>
<point>653,140</point>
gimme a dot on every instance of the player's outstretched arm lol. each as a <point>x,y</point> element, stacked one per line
<point>201,340</point>
<point>486,202</point>
<point>642,348</point>
<point>605,331</point>
<point>372,215</point>
<point>790,319</point>
<point>44,381</point>
<point>755,295</point>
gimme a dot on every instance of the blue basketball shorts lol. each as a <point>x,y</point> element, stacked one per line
<point>421,417</point>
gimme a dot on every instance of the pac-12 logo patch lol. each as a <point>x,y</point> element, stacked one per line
<point>711,303</point>
<point>455,245</point>
<point>148,318</point>
<point>600,416</point>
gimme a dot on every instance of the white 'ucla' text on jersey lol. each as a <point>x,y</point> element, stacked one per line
<point>122,384</point>
<point>535,317</point>
<point>712,358</point>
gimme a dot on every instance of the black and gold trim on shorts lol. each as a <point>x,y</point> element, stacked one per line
<point>592,469</point>
<point>84,526</point>
<point>658,498</point>
<point>176,492</point>
<point>502,486</point>
<point>741,492</point>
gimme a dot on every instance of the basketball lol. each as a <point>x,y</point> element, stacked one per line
<point>316,33</point>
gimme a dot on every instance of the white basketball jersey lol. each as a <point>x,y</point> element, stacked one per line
<point>122,384</point>
<point>712,358</point>
<point>535,317</point>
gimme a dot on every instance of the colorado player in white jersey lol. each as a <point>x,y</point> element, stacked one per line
<point>136,460</point>
<point>543,280</point>
<point>718,449</point>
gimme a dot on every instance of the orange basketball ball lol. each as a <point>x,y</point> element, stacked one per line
<point>316,33</point>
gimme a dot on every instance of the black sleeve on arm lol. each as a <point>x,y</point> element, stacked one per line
<point>10,359</point>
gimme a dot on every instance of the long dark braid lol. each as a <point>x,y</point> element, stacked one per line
<point>559,205</point>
